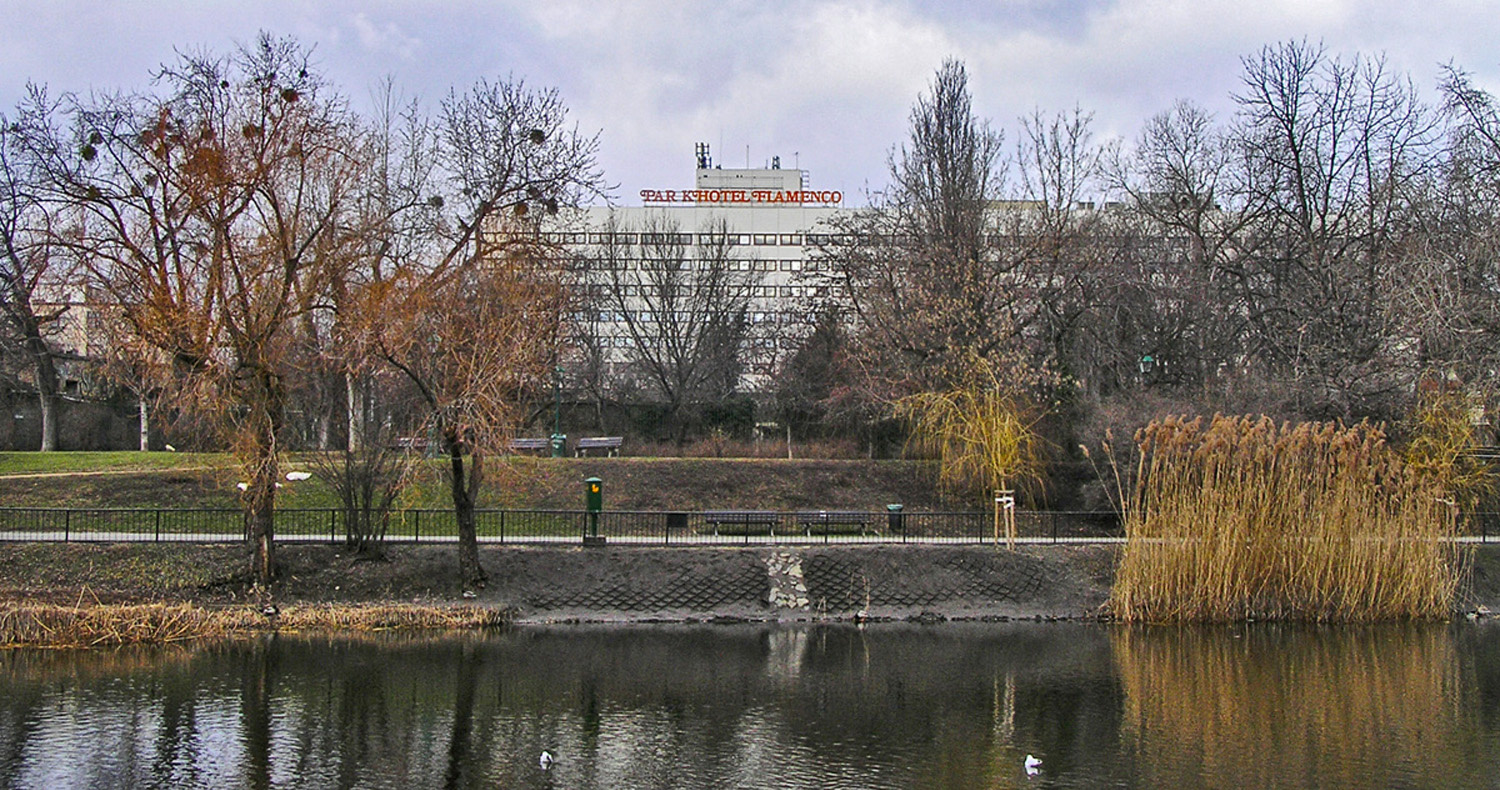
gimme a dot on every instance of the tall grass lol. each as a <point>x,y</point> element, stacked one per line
<point>1243,518</point>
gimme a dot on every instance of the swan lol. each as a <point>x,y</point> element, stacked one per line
<point>1033,765</point>
<point>546,761</point>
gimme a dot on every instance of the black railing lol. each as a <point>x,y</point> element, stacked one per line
<point>722,527</point>
<point>553,526</point>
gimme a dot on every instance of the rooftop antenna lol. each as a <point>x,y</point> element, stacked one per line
<point>747,157</point>
<point>775,163</point>
<point>700,150</point>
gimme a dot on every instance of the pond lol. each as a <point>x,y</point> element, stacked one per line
<point>953,705</point>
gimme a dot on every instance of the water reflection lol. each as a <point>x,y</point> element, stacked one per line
<point>952,706</point>
<point>1273,706</point>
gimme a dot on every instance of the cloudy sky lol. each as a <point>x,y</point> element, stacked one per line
<point>824,85</point>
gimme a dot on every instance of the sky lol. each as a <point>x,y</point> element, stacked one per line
<point>826,86</point>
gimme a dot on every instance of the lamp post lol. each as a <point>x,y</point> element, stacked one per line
<point>559,440</point>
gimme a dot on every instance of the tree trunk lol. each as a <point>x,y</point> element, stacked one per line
<point>470,574</point>
<point>261,517</point>
<point>265,471</point>
<point>354,411</point>
<point>145,423</point>
<point>47,402</point>
<point>46,390</point>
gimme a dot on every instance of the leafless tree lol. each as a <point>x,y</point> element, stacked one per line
<point>1182,183</point>
<point>924,275</point>
<point>471,309</point>
<point>1335,149</point>
<point>211,211</point>
<point>33,278</point>
<point>685,317</point>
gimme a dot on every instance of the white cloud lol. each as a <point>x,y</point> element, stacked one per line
<point>384,39</point>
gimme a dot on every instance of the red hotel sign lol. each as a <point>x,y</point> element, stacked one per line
<point>741,196</point>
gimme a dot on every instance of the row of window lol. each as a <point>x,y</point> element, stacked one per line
<point>762,343</point>
<point>707,239</point>
<point>763,291</point>
<point>1001,240</point>
<point>784,317</point>
<point>754,265</point>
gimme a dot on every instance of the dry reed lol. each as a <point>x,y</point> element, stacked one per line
<point>45,625</point>
<point>1243,518</point>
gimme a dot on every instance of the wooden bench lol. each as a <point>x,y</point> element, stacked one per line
<point>609,444</point>
<point>834,522</point>
<point>530,445</point>
<point>410,444</point>
<point>722,520</point>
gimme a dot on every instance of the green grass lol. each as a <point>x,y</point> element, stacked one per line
<point>22,463</point>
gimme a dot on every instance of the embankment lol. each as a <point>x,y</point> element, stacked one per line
<point>611,584</point>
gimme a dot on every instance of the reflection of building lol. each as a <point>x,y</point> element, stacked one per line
<point>770,219</point>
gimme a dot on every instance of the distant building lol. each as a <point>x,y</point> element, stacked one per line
<point>770,218</point>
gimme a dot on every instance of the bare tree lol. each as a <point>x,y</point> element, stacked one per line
<point>33,278</point>
<point>1182,179</point>
<point>478,344</point>
<point>211,211</point>
<point>923,273</point>
<point>471,310</point>
<point>1334,148</point>
<point>685,317</point>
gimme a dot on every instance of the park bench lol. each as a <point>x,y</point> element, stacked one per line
<point>741,522</point>
<point>410,444</point>
<point>530,445</point>
<point>833,522</point>
<point>609,444</point>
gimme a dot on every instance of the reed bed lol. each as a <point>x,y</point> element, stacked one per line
<point>1242,518</point>
<point>102,625</point>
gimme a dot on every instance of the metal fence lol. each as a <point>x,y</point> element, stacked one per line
<point>163,525</point>
<point>711,527</point>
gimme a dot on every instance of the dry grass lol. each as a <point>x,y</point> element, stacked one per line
<point>100,625</point>
<point>1247,519</point>
<point>1349,706</point>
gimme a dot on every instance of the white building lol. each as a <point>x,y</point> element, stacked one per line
<point>770,219</point>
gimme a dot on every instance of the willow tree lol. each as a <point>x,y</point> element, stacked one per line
<point>211,211</point>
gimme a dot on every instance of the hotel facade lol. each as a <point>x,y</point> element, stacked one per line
<point>763,226</point>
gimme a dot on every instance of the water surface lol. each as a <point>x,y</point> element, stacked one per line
<point>898,706</point>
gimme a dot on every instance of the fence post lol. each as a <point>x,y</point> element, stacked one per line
<point>416,529</point>
<point>67,525</point>
<point>1054,527</point>
<point>502,526</point>
<point>158,525</point>
<point>333,535</point>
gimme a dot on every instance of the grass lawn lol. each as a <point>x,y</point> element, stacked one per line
<point>23,463</point>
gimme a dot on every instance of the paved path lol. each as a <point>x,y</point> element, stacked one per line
<point>106,472</point>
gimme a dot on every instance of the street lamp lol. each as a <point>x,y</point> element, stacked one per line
<point>559,439</point>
